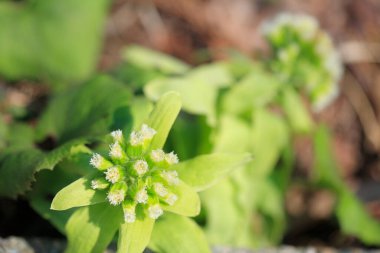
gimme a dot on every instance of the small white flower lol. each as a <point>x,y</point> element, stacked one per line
<point>116,151</point>
<point>96,160</point>
<point>157,155</point>
<point>136,138</point>
<point>155,211</point>
<point>113,174</point>
<point>141,167</point>
<point>94,184</point>
<point>171,177</point>
<point>171,158</point>
<point>142,196</point>
<point>160,189</point>
<point>129,215</point>
<point>117,135</point>
<point>147,132</point>
<point>171,199</point>
<point>116,197</point>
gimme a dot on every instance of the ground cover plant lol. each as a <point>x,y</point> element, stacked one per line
<point>106,158</point>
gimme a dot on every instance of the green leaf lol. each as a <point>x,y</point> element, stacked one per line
<point>228,223</point>
<point>199,96</point>
<point>216,75</point>
<point>58,45</point>
<point>270,136</point>
<point>78,193</point>
<point>134,237</point>
<point>296,112</point>
<point>18,167</point>
<point>89,108</point>
<point>140,110</point>
<point>149,59</point>
<point>177,234</point>
<point>355,220</point>
<point>90,229</point>
<point>256,89</point>
<point>205,170</point>
<point>233,135</point>
<point>188,203</point>
<point>325,171</point>
<point>163,116</point>
<point>17,170</point>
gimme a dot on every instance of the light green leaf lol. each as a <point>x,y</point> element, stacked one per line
<point>233,135</point>
<point>90,229</point>
<point>163,116</point>
<point>177,234</point>
<point>256,89</point>
<point>140,110</point>
<point>296,112</point>
<point>188,203</point>
<point>58,46</point>
<point>134,237</point>
<point>325,171</point>
<point>89,109</point>
<point>216,75</point>
<point>78,193</point>
<point>270,136</point>
<point>198,97</point>
<point>203,171</point>
<point>150,59</point>
<point>355,220</point>
<point>228,223</point>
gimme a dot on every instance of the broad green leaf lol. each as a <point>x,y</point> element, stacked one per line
<point>228,223</point>
<point>355,220</point>
<point>270,136</point>
<point>233,135</point>
<point>19,135</point>
<point>18,167</point>
<point>88,108</point>
<point>296,111</point>
<point>90,229</point>
<point>198,97</point>
<point>150,59</point>
<point>256,89</point>
<point>58,46</point>
<point>325,171</point>
<point>17,170</point>
<point>78,193</point>
<point>134,237</point>
<point>203,171</point>
<point>188,203</point>
<point>163,116</point>
<point>216,75</point>
<point>178,234</point>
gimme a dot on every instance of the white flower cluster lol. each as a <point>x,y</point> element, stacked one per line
<point>143,178</point>
<point>298,41</point>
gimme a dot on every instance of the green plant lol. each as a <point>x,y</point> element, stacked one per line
<point>139,180</point>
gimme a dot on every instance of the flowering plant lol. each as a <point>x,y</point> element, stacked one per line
<point>132,187</point>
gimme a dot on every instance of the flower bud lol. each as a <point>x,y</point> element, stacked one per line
<point>171,158</point>
<point>99,183</point>
<point>117,136</point>
<point>140,167</point>
<point>129,209</point>
<point>141,196</point>
<point>99,162</point>
<point>171,198</point>
<point>160,189</point>
<point>155,211</point>
<point>115,174</point>
<point>117,193</point>
<point>171,177</point>
<point>117,153</point>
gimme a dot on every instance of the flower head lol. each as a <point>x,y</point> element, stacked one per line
<point>155,211</point>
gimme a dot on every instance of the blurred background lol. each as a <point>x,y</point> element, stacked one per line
<point>200,31</point>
